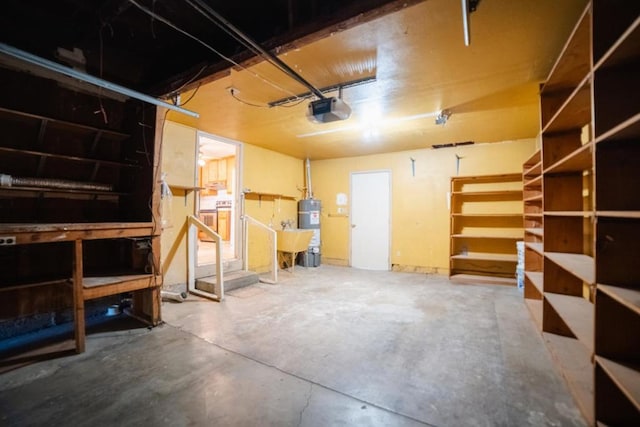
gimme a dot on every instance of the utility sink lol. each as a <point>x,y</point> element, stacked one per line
<point>294,240</point>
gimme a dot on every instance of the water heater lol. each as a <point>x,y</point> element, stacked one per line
<point>309,218</point>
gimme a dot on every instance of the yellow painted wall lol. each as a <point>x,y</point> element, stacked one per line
<point>266,171</point>
<point>419,214</point>
<point>178,161</point>
<point>420,219</point>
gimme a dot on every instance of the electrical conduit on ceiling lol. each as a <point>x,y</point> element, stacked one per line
<point>70,72</point>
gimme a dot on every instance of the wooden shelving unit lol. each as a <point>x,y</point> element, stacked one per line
<point>585,278</point>
<point>567,204</point>
<point>79,200</point>
<point>486,223</point>
<point>533,235</point>
<point>616,55</point>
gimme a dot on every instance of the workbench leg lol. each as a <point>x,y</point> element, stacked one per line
<point>146,305</point>
<point>78,298</point>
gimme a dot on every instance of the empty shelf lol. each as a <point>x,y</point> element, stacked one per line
<point>488,215</point>
<point>626,377</point>
<point>581,266</point>
<point>482,256</point>
<point>482,280</point>
<point>630,298</point>
<point>536,278</point>
<point>97,287</point>
<point>584,214</point>
<point>577,369</point>
<point>501,194</point>
<point>619,214</point>
<point>536,198</point>
<point>577,313</point>
<point>533,170</point>
<point>487,236</point>
<point>58,232</point>
<point>629,129</point>
<point>536,247</point>
<point>536,231</point>
<point>579,160</point>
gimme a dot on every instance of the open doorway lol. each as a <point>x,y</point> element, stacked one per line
<point>218,204</point>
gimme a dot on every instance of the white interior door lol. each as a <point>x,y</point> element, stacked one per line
<point>370,220</point>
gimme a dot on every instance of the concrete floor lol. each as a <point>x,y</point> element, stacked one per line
<point>328,346</point>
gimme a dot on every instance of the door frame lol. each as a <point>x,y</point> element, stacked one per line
<point>390,174</point>
<point>238,238</point>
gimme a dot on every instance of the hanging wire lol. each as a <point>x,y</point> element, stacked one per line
<point>211,48</point>
<point>191,97</point>
<point>250,104</point>
<point>226,26</point>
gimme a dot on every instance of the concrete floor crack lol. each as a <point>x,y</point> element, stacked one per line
<point>307,404</point>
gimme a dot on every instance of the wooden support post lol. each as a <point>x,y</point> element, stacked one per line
<point>78,298</point>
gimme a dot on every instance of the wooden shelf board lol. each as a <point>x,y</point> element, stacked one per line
<point>535,308</point>
<point>511,194</point>
<point>574,113</point>
<point>482,256</point>
<point>535,231</point>
<point>538,247</point>
<point>482,280</point>
<point>64,232</point>
<point>584,214</point>
<point>533,170</point>
<point>577,313</point>
<point>537,198</point>
<point>97,287</point>
<point>70,158</point>
<point>581,159</point>
<point>536,278</point>
<point>70,226</point>
<point>625,376</point>
<point>533,160</point>
<point>581,266</point>
<point>629,129</point>
<point>533,215</point>
<point>488,178</point>
<point>35,285</point>
<point>63,123</point>
<point>630,298</point>
<point>488,215</point>
<point>624,49</point>
<point>575,365</point>
<point>619,214</point>
<point>534,182</point>
<point>486,236</point>
<point>186,187</point>
<point>263,196</point>
<point>565,71</point>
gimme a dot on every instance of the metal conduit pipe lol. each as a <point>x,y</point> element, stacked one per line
<point>14,181</point>
<point>465,22</point>
<point>70,72</point>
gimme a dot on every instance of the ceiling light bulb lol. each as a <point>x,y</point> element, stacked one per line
<point>201,162</point>
<point>442,117</point>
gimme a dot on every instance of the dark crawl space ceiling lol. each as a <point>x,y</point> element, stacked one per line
<point>411,53</point>
<point>125,41</point>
